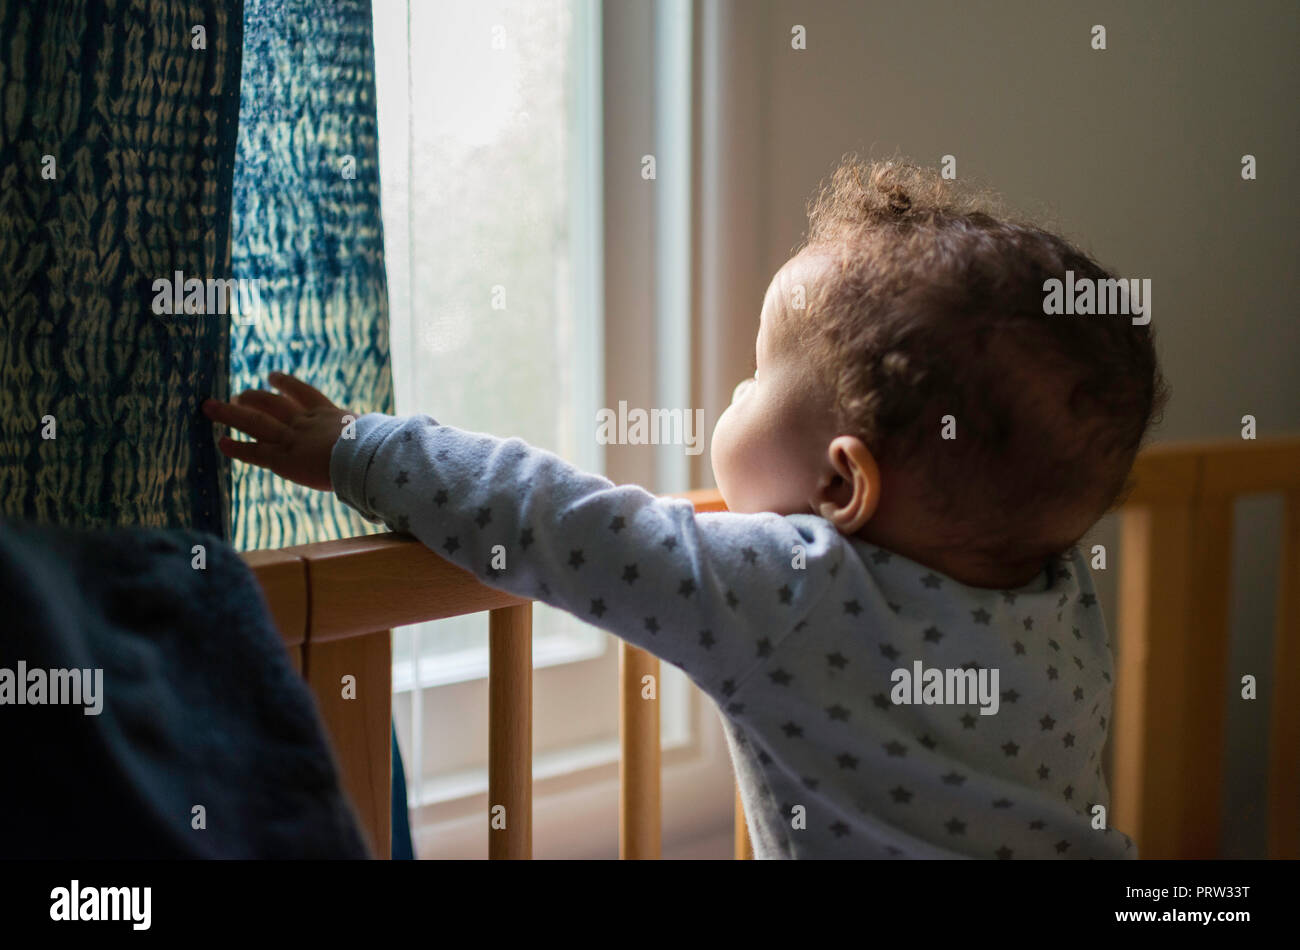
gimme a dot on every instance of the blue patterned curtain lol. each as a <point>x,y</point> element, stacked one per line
<point>307,225</point>
<point>117,143</point>
<point>128,133</point>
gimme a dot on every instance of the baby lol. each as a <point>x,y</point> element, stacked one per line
<point>892,617</point>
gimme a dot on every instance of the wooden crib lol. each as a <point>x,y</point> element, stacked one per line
<point>335,604</point>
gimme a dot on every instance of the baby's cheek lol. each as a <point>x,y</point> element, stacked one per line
<point>720,449</point>
<point>753,471</point>
<point>732,466</point>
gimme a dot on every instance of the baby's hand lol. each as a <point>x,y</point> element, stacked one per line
<point>295,432</point>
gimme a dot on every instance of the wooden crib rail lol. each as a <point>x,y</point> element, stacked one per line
<point>367,584</point>
<point>336,602</point>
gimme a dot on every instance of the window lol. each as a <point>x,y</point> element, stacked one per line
<point>495,217</point>
<point>487,125</point>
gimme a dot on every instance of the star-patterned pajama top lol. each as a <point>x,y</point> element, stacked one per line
<point>794,631</point>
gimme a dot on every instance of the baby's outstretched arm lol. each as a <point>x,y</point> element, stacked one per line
<point>713,594</point>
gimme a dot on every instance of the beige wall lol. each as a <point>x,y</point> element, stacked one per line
<point>1133,152</point>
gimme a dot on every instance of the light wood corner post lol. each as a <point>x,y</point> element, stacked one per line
<point>639,814</point>
<point>510,733</point>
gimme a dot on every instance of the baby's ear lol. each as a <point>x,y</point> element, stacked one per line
<point>849,501</point>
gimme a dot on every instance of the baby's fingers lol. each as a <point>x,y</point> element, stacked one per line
<point>257,424</point>
<point>305,395</point>
<point>275,406</point>
<point>254,453</point>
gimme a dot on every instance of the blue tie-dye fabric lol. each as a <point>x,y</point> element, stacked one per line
<point>307,225</point>
<point>117,143</point>
<point>121,128</point>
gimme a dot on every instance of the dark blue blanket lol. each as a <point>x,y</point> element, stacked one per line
<point>200,707</point>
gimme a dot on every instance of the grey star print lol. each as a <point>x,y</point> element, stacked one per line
<point>799,661</point>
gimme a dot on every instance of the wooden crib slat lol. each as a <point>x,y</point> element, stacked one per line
<point>1206,643</point>
<point>1153,544</point>
<point>510,733</point>
<point>360,727</point>
<point>1284,743</point>
<point>639,803</point>
<point>1173,645</point>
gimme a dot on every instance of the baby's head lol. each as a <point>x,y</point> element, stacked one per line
<point>910,388</point>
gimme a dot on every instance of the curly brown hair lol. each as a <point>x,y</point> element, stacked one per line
<point>931,305</point>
